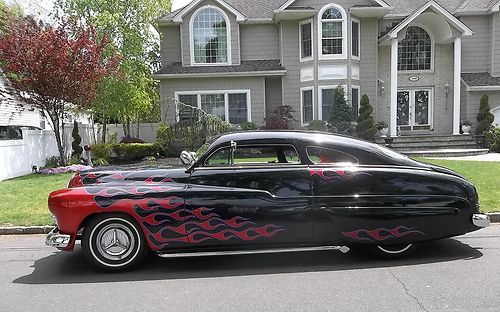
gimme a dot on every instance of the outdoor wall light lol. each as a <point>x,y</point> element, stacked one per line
<point>381,87</point>
<point>446,89</point>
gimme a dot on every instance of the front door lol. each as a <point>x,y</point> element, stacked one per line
<point>253,196</point>
<point>414,111</point>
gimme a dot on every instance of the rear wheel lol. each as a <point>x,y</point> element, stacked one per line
<point>113,242</point>
<point>394,251</point>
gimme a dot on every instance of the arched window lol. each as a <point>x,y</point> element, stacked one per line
<point>333,31</point>
<point>415,50</point>
<point>210,35</point>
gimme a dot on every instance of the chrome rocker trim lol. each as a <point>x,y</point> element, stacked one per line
<point>56,239</point>
<point>342,249</point>
<point>481,220</point>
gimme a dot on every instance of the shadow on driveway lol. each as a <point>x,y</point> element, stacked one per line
<point>70,268</point>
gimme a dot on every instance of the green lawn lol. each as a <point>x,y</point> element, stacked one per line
<point>485,175</point>
<point>23,201</point>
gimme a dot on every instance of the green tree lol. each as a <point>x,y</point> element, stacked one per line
<point>484,117</point>
<point>77,140</point>
<point>340,116</point>
<point>366,124</point>
<point>8,12</point>
<point>133,97</point>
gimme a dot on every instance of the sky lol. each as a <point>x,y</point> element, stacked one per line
<point>42,8</point>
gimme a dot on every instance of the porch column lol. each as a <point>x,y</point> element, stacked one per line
<point>394,88</point>
<point>456,84</point>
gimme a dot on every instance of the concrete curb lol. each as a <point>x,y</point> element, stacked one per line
<point>19,230</point>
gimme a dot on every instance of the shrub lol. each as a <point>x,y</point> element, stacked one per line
<point>366,124</point>
<point>279,118</point>
<point>163,138</point>
<point>101,151</point>
<point>130,140</point>
<point>248,126</point>
<point>318,125</point>
<point>52,162</point>
<point>493,136</point>
<point>77,140</point>
<point>100,162</point>
<point>485,118</point>
<point>340,116</point>
<point>134,151</point>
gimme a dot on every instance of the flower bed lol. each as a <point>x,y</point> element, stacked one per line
<point>59,170</point>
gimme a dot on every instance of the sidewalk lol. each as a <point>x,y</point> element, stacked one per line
<point>486,157</point>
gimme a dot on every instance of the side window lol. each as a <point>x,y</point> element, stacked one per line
<point>254,155</point>
<point>323,155</point>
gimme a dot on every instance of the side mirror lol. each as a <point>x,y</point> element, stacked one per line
<point>188,158</point>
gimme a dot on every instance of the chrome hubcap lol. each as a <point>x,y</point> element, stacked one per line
<point>115,241</point>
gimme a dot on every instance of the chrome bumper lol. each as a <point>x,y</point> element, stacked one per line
<point>56,239</point>
<point>481,220</point>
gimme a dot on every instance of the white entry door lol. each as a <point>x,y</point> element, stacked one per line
<point>414,111</point>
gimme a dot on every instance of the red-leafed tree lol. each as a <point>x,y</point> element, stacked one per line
<point>53,67</point>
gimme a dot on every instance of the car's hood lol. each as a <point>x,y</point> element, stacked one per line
<point>127,176</point>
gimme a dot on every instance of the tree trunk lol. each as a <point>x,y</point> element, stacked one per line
<point>104,129</point>
<point>129,130</point>
<point>60,147</point>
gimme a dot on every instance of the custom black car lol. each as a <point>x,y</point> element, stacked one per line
<point>256,192</point>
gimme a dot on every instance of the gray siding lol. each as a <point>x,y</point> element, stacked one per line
<point>170,45</point>
<point>168,87</point>
<point>290,53</point>
<point>235,31</point>
<point>369,59</point>
<point>443,73</point>
<point>274,94</point>
<point>495,68</point>
<point>476,49</point>
<point>259,42</point>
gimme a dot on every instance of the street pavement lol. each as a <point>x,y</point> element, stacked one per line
<point>459,274</point>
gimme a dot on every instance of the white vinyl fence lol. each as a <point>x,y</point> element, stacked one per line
<point>17,157</point>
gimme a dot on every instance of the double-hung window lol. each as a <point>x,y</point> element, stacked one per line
<point>307,105</point>
<point>306,41</point>
<point>230,106</point>
<point>210,37</point>
<point>355,45</point>
<point>333,31</point>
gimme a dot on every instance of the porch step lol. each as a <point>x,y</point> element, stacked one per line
<point>435,145</point>
<point>447,152</point>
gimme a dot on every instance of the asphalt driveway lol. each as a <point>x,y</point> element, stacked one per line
<point>461,274</point>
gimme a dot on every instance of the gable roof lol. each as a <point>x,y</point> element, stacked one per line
<point>265,9</point>
<point>405,7</point>
<point>464,29</point>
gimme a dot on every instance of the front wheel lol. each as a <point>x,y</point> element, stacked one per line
<point>394,251</point>
<point>113,242</point>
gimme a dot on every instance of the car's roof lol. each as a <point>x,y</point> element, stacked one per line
<point>308,136</point>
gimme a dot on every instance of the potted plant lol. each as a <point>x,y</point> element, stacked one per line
<point>466,125</point>
<point>383,128</point>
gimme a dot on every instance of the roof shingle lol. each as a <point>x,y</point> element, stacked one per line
<point>480,80</point>
<point>244,67</point>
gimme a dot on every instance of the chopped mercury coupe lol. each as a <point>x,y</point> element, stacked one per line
<point>257,192</point>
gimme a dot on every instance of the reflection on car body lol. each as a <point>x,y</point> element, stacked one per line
<point>264,192</point>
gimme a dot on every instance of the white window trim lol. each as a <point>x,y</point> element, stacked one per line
<point>191,37</point>
<point>322,56</point>
<point>309,58</point>
<point>302,123</point>
<point>433,51</point>
<point>320,96</point>
<point>356,57</point>
<point>226,101</point>
<point>359,98</point>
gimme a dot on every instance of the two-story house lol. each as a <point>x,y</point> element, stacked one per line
<point>423,64</point>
